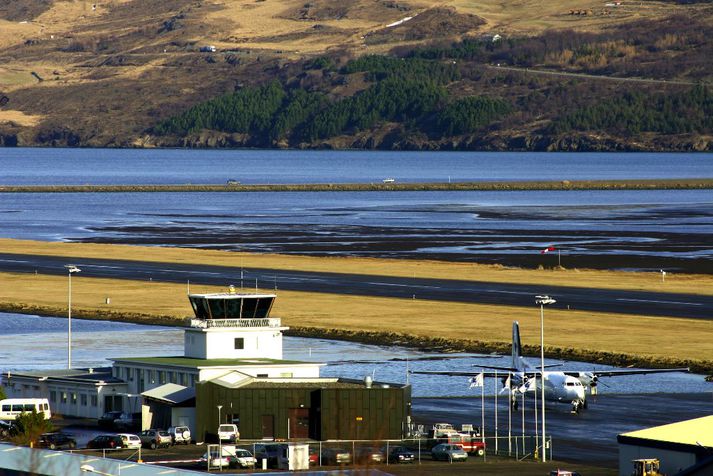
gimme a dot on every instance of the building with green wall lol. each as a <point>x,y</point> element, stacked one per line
<point>319,409</point>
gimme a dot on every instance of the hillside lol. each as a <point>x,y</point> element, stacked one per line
<point>558,76</point>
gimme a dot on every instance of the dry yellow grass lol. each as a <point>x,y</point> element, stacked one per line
<point>654,338</point>
<point>675,283</point>
<point>19,118</point>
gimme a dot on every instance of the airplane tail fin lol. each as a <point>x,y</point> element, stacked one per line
<point>516,346</point>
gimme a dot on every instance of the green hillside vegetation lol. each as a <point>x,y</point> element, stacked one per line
<point>409,90</point>
<point>633,113</point>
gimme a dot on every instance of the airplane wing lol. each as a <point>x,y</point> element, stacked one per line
<point>622,372</point>
<point>532,370</point>
<point>458,373</point>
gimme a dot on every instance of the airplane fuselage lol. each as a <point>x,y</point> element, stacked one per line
<point>559,387</point>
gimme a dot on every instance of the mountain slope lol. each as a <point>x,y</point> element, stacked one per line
<point>107,73</point>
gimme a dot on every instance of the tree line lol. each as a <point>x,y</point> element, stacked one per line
<point>635,112</point>
<point>411,91</point>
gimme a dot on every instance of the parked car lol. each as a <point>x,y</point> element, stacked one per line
<point>399,454</point>
<point>268,451</point>
<point>313,455</point>
<point>107,419</point>
<point>215,462</point>
<point>369,455</point>
<point>56,441</point>
<point>336,456</point>
<point>448,452</point>
<point>106,442</point>
<point>228,432</point>
<point>562,472</point>
<point>132,442</point>
<point>5,428</point>
<point>155,439</point>
<point>242,458</point>
<point>180,434</point>
<point>127,421</point>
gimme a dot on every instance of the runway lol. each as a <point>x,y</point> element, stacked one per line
<point>595,300</point>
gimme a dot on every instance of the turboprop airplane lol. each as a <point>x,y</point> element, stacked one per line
<point>565,386</point>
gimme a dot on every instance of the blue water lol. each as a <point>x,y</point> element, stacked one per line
<point>36,343</point>
<point>181,166</point>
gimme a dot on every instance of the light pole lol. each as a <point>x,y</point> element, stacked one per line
<point>543,301</point>
<point>220,443</point>
<point>70,269</point>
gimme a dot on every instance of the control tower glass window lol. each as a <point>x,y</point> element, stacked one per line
<point>217,308</point>
<point>263,307</point>
<point>232,307</point>
<point>238,307</point>
<point>249,306</point>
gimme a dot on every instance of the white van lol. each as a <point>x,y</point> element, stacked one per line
<point>10,408</point>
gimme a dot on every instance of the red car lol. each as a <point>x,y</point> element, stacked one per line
<point>313,456</point>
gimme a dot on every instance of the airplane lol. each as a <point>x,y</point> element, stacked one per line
<point>565,386</point>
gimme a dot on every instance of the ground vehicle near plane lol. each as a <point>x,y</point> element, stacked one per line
<point>369,454</point>
<point>10,408</point>
<point>106,442</point>
<point>566,386</point>
<point>180,434</point>
<point>399,454</point>
<point>336,456</point>
<point>4,428</point>
<point>562,472</point>
<point>646,467</point>
<point>242,458</point>
<point>469,444</point>
<point>155,439</point>
<point>442,430</point>
<point>269,452</point>
<point>228,432</point>
<point>107,419</point>
<point>448,452</point>
<point>56,441</point>
<point>131,441</point>
<point>210,458</point>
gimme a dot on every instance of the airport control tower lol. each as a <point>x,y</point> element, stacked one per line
<point>233,325</point>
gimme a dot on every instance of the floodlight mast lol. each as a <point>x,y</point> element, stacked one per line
<point>543,301</point>
<point>70,270</point>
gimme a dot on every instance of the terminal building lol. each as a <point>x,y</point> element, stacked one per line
<point>233,359</point>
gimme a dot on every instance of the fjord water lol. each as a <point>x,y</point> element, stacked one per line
<point>40,343</point>
<point>30,166</point>
<point>623,229</point>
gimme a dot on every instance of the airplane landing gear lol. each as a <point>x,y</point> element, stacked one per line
<point>578,405</point>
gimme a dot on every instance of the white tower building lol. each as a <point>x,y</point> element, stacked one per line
<point>233,326</point>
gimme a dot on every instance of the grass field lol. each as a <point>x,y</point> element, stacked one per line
<point>675,283</point>
<point>600,337</point>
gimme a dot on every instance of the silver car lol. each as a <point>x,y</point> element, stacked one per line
<point>448,452</point>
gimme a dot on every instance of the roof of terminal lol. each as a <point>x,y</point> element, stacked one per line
<point>201,363</point>
<point>696,432</point>
<point>98,374</point>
